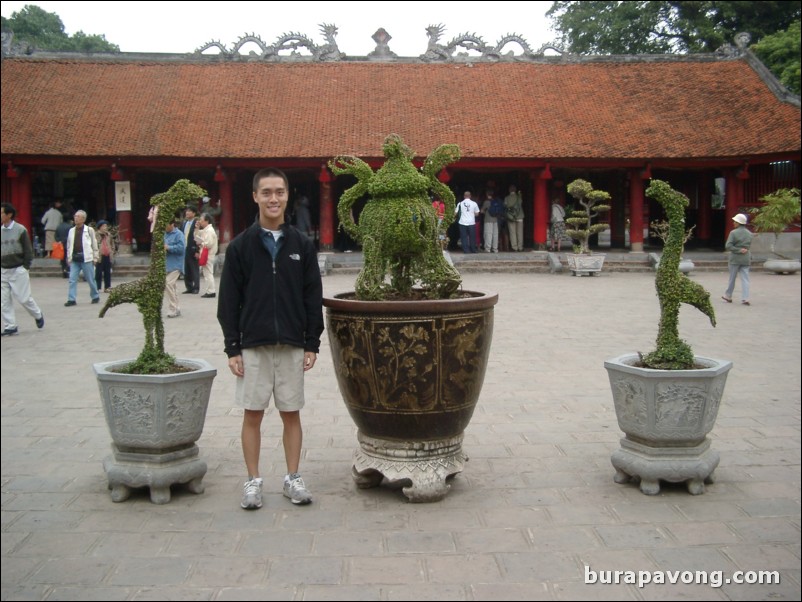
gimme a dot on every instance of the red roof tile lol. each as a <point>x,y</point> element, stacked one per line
<point>588,110</point>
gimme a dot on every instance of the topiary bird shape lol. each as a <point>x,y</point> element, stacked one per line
<point>398,226</point>
<point>674,287</point>
<point>148,292</point>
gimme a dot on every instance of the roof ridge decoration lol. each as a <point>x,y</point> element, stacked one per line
<point>435,51</point>
<point>12,48</point>
<point>291,41</point>
<point>741,46</point>
<point>470,41</point>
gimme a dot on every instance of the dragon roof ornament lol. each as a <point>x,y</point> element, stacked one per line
<point>290,42</point>
<point>435,51</point>
<point>464,47</point>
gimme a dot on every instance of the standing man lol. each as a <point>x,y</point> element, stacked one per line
<point>303,217</point>
<point>271,313</point>
<point>62,234</point>
<point>82,255</point>
<point>492,210</point>
<point>738,243</point>
<point>105,243</point>
<point>17,256</point>
<point>51,220</point>
<point>514,208</point>
<point>557,225</point>
<point>191,267</point>
<point>468,210</point>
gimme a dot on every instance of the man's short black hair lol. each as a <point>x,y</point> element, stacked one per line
<point>270,172</point>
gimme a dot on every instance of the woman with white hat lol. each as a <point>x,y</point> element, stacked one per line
<point>738,243</point>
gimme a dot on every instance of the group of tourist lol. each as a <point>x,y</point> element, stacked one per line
<point>498,223</point>
<point>502,222</point>
<point>89,251</point>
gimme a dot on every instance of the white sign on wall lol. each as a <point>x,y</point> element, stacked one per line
<point>122,195</point>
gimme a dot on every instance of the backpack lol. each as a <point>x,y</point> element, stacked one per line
<point>496,208</point>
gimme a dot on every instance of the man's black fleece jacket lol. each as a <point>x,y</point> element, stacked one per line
<point>263,302</point>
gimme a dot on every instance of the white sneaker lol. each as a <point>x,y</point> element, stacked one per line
<point>295,490</point>
<point>252,494</point>
<point>177,314</point>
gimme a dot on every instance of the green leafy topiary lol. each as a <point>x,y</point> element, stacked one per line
<point>581,220</point>
<point>674,287</point>
<point>781,210</point>
<point>148,292</point>
<point>398,225</point>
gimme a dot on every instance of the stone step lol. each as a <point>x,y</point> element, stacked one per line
<point>131,267</point>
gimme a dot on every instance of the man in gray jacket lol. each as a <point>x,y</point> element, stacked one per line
<point>738,243</point>
<point>17,256</point>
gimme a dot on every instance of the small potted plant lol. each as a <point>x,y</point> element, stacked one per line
<point>410,348</point>
<point>581,227</point>
<point>781,210</point>
<point>155,405</point>
<point>667,401</point>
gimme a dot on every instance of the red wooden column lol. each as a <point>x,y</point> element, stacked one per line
<point>540,212</point>
<point>125,225</point>
<point>704,212</point>
<point>21,197</point>
<point>326,210</point>
<point>226,224</point>
<point>636,209</point>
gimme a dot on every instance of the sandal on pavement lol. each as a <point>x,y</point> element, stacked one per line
<point>727,300</point>
<point>745,303</point>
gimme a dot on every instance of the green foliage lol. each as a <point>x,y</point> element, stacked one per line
<point>45,31</point>
<point>653,27</point>
<point>780,52</point>
<point>581,226</point>
<point>660,229</point>
<point>674,287</point>
<point>781,209</point>
<point>398,225</point>
<point>148,292</point>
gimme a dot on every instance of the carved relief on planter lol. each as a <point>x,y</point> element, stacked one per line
<point>154,422</point>
<point>581,265</point>
<point>666,416</point>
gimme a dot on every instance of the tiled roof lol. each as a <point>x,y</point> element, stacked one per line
<point>587,110</point>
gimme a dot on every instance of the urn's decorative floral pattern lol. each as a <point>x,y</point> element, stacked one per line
<point>411,366</point>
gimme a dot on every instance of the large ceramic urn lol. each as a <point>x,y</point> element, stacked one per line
<point>666,416</point>
<point>154,422</point>
<point>410,373</point>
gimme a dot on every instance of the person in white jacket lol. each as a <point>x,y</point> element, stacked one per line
<point>82,255</point>
<point>206,238</point>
